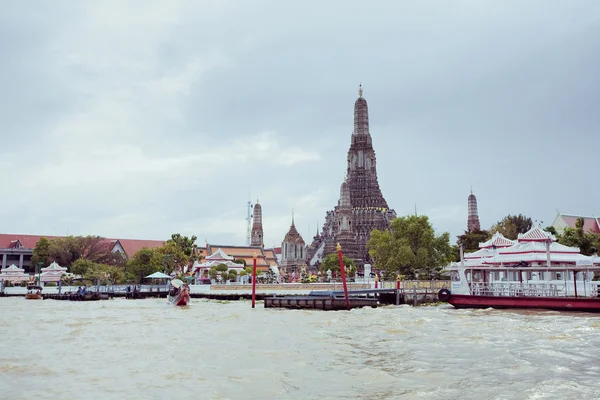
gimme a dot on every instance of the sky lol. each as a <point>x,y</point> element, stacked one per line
<point>139,119</point>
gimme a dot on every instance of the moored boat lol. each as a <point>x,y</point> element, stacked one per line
<point>179,295</point>
<point>34,292</point>
<point>534,271</point>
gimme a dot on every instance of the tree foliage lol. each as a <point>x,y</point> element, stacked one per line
<point>331,263</point>
<point>41,252</point>
<point>588,242</point>
<point>66,250</point>
<point>470,240</point>
<point>178,253</point>
<point>143,263</point>
<point>97,272</point>
<point>410,248</point>
<point>512,225</point>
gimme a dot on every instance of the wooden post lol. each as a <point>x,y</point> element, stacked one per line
<point>254,282</point>
<point>575,282</point>
<point>343,272</point>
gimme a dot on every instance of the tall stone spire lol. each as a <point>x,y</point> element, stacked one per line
<point>257,228</point>
<point>362,165</point>
<point>473,216</point>
<point>361,115</point>
<point>361,207</point>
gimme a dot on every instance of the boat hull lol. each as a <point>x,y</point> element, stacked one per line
<point>32,296</point>
<point>588,304</point>
<point>179,300</point>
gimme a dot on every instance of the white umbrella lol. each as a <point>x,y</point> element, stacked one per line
<point>159,275</point>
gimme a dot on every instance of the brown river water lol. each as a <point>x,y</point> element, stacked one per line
<point>147,349</point>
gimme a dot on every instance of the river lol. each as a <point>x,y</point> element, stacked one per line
<point>147,349</point>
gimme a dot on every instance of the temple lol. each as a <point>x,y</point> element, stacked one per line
<point>293,253</point>
<point>361,207</point>
<point>473,216</point>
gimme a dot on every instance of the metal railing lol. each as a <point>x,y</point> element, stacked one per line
<point>516,289</point>
<point>433,285</point>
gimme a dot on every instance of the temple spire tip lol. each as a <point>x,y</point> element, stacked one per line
<point>360,90</point>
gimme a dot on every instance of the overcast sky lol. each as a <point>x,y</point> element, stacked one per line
<point>138,119</point>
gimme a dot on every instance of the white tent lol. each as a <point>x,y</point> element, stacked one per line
<point>159,275</point>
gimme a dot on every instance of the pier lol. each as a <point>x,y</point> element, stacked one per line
<point>324,296</point>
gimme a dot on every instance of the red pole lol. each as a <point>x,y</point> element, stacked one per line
<point>376,280</point>
<point>343,272</point>
<point>398,282</point>
<point>254,282</point>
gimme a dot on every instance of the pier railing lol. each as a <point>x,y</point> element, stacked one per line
<point>517,289</point>
<point>433,285</point>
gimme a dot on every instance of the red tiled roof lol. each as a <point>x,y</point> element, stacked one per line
<point>245,253</point>
<point>590,224</point>
<point>27,241</point>
<point>130,246</point>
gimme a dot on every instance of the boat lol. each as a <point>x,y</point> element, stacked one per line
<point>179,295</point>
<point>34,292</point>
<point>532,272</point>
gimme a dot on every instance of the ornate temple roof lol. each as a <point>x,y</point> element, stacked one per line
<point>293,236</point>
<point>536,234</point>
<point>497,240</point>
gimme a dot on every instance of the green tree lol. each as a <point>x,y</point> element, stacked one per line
<point>41,252</point>
<point>331,262</point>
<point>222,271</point>
<point>576,237</point>
<point>240,261</point>
<point>143,263</point>
<point>470,240</point>
<point>232,274</point>
<point>179,252</point>
<point>410,248</point>
<point>512,225</point>
<point>66,250</point>
<point>82,267</point>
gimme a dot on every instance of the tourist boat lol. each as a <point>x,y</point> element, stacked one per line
<point>534,271</point>
<point>179,295</point>
<point>34,292</point>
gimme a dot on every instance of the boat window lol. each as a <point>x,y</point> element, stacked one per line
<point>455,276</point>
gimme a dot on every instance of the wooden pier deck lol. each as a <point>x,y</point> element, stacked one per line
<point>334,299</point>
<point>327,303</point>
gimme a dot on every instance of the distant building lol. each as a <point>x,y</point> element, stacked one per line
<point>264,258</point>
<point>562,221</point>
<point>473,215</point>
<point>18,249</point>
<point>293,255</point>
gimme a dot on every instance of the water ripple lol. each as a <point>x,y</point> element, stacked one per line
<point>218,350</point>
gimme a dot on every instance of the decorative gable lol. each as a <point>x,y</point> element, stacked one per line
<point>536,234</point>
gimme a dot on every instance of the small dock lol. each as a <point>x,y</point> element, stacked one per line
<point>77,297</point>
<point>334,299</point>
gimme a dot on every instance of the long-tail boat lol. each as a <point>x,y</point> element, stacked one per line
<point>179,295</point>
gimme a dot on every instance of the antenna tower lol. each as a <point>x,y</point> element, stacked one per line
<point>249,223</point>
